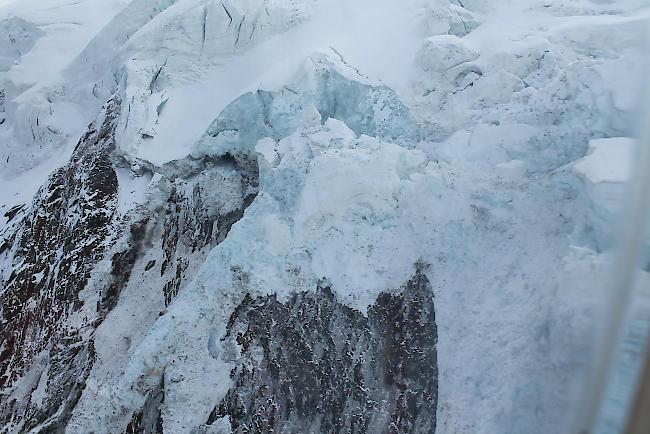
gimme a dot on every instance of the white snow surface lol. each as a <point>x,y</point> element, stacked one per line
<point>522,109</point>
<point>606,168</point>
<point>609,160</point>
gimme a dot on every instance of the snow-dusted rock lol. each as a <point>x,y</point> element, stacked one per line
<point>82,247</point>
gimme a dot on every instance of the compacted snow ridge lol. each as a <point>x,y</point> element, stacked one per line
<point>311,215</point>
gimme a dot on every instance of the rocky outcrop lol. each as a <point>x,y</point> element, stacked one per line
<point>205,198</point>
<point>149,419</point>
<point>312,364</point>
<point>67,260</point>
<point>52,254</point>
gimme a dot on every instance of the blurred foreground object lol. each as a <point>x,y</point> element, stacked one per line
<point>633,228</point>
<point>640,418</point>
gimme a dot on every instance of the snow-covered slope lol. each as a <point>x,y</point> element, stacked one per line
<point>307,215</point>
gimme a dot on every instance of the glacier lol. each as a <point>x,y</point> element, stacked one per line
<point>309,215</point>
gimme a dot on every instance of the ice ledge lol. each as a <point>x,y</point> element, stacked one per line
<point>608,160</point>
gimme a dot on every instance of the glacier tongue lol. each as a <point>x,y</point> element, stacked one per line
<point>250,233</point>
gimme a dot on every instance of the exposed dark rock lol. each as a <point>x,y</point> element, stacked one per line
<point>196,220</point>
<point>122,265</point>
<point>2,107</point>
<point>52,254</point>
<point>69,369</point>
<point>11,214</point>
<point>312,364</point>
<point>171,288</point>
<point>74,230</point>
<point>149,419</point>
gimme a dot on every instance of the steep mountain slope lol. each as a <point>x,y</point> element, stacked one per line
<point>306,215</point>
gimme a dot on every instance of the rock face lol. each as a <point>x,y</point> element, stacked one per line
<point>49,261</point>
<point>67,259</point>
<point>312,364</point>
<point>149,419</point>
